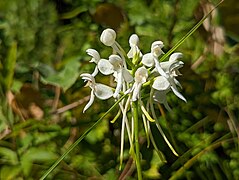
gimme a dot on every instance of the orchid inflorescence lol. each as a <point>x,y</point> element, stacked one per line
<point>146,81</point>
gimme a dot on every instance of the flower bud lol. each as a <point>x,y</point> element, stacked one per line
<point>108,37</point>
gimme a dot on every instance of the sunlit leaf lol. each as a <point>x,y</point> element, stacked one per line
<point>10,172</point>
<point>66,77</point>
<point>9,66</point>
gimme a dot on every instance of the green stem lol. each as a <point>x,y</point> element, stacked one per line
<point>136,136</point>
<point>80,139</point>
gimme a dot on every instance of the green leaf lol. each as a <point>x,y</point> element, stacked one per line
<point>66,77</point>
<point>10,172</point>
<point>8,155</point>
<point>9,66</point>
<point>33,155</point>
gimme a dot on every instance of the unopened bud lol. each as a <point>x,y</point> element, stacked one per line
<point>108,37</point>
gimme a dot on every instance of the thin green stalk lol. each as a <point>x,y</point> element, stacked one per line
<point>136,136</point>
<point>80,139</point>
<point>188,34</point>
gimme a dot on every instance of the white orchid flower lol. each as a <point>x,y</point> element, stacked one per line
<point>99,90</point>
<point>151,59</point>
<point>171,67</point>
<point>134,49</point>
<point>141,76</point>
<point>101,64</point>
<point>163,85</point>
<point>120,73</point>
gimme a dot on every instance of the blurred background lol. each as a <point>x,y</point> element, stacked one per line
<point>42,54</point>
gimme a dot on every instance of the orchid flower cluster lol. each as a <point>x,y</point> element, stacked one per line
<point>146,80</point>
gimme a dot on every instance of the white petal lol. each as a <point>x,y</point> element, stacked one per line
<point>165,66</point>
<point>141,75</point>
<point>175,56</point>
<point>136,91</point>
<point>115,75</point>
<point>88,77</point>
<point>177,93</point>
<point>105,67</point>
<point>156,48</point>
<point>129,90</point>
<point>159,68</point>
<point>95,55</point>
<point>157,43</point>
<point>127,76</point>
<point>134,39</point>
<point>176,64</point>
<point>177,83</point>
<point>102,91</point>
<point>119,83</point>
<point>148,60</point>
<point>95,71</point>
<point>130,54</point>
<point>116,61</point>
<point>108,37</point>
<point>92,97</point>
<point>161,83</point>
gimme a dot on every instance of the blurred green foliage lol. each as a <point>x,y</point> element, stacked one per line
<point>42,53</point>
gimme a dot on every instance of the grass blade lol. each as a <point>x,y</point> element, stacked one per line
<point>188,34</point>
<point>80,139</point>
